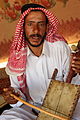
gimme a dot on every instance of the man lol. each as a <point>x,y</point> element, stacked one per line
<point>36,51</point>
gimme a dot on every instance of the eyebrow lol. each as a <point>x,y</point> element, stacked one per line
<point>35,22</point>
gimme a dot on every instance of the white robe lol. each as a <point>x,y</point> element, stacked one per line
<point>39,72</point>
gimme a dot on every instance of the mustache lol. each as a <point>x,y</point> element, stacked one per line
<point>36,35</point>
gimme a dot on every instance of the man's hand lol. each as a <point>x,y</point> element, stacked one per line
<point>7,96</point>
<point>76,64</point>
<point>74,67</point>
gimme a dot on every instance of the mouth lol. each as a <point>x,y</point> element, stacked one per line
<point>35,41</point>
<point>35,38</point>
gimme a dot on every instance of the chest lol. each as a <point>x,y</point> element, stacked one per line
<point>44,66</point>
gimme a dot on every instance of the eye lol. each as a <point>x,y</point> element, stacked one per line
<point>42,24</point>
<point>29,23</point>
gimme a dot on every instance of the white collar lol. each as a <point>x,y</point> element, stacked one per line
<point>45,50</point>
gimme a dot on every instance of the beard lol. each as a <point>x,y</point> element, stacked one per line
<point>35,35</point>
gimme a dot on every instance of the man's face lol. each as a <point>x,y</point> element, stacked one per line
<point>35,28</point>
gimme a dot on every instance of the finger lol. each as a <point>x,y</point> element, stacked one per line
<point>11,90</point>
<point>76,65</point>
<point>76,58</point>
<point>76,70</point>
<point>7,92</point>
<point>5,89</point>
<point>8,89</point>
<point>9,99</point>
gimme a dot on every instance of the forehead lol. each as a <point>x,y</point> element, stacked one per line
<point>36,15</point>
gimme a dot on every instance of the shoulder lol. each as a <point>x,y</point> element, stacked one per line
<point>58,45</point>
<point>58,48</point>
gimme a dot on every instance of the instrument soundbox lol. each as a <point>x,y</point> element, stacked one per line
<point>61,99</point>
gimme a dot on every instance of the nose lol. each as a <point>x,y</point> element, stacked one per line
<point>36,28</point>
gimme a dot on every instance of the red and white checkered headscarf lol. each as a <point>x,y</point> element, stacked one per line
<point>18,55</point>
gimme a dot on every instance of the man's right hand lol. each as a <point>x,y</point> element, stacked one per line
<point>8,98</point>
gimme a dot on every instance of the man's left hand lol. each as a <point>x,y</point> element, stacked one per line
<point>76,64</point>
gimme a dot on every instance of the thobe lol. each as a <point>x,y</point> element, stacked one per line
<point>39,71</point>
